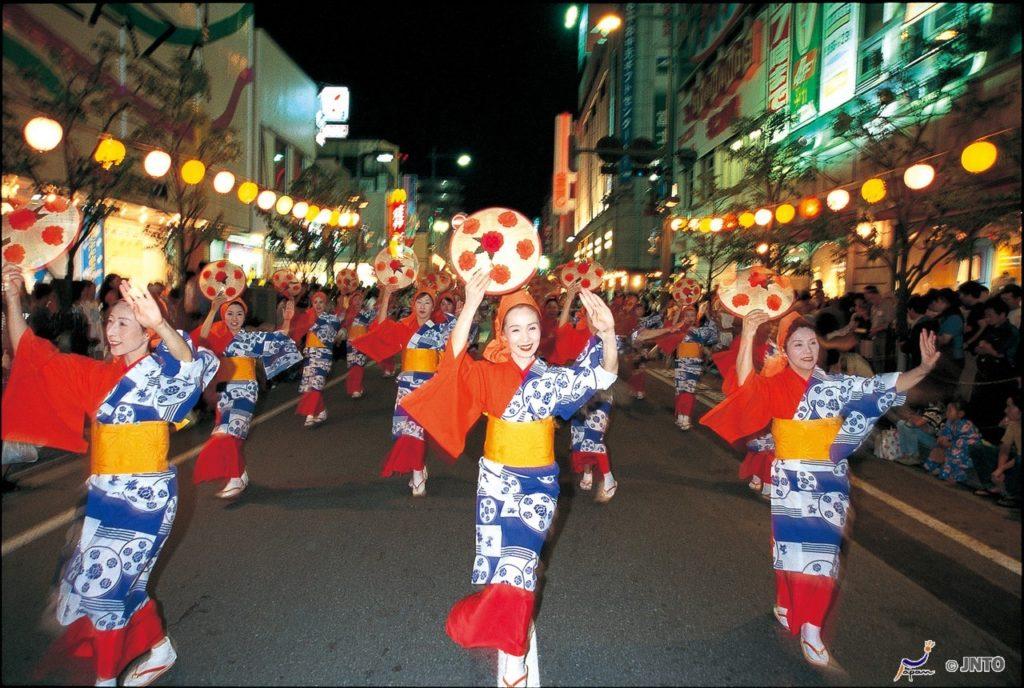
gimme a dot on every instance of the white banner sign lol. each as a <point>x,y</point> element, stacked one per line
<point>839,53</point>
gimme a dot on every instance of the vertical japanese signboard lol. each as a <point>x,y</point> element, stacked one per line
<point>838,53</point>
<point>562,201</point>
<point>779,16</point>
<point>806,42</point>
<point>628,83</point>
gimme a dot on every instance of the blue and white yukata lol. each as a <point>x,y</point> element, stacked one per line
<point>221,456</point>
<point>319,358</point>
<point>132,491</point>
<point>689,368</point>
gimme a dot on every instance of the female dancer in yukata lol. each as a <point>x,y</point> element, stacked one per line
<point>132,498</point>
<point>518,482</point>
<point>817,421</point>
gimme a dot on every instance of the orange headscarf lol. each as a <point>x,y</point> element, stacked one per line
<point>220,336</point>
<point>410,320</point>
<point>789,324</point>
<point>497,351</point>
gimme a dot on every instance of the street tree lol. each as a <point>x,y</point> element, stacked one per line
<point>907,123</point>
<point>87,103</point>
<point>186,132</point>
<point>306,242</point>
<point>777,167</point>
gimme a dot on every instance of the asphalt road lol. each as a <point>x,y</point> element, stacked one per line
<point>322,573</point>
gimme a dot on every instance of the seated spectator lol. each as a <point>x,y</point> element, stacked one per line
<point>950,460</point>
<point>999,467</point>
<point>918,431</point>
<point>1011,295</point>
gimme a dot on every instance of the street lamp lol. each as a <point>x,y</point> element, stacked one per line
<point>463,160</point>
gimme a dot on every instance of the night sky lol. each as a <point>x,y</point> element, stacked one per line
<point>485,79</point>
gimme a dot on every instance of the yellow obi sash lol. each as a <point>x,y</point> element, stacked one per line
<point>420,360</point>
<point>132,448</point>
<point>356,331</point>
<point>688,350</point>
<point>520,445</point>
<point>235,368</point>
<point>313,341</point>
<point>808,440</point>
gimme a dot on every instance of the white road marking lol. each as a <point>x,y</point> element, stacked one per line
<point>66,517</point>
<point>961,538</point>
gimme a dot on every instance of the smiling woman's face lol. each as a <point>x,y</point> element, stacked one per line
<point>522,330</point>
<point>124,333</point>
<point>802,350</point>
<point>424,307</point>
<point>234,317</point>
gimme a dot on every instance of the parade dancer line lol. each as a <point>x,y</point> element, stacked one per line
<point>320,337</point>
<point>687,345</point>
<point>817,421</point>
<point>518,482</point>
<point>132,497</point>
<point>588,425</point>
<point>421,341</point>
<point>239,350</point>
<point>358,315</point>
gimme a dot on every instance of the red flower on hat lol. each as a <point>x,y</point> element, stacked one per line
<point>525,248</point>
<point>238,274</point>
<point>58,204</point>
<point>22,218</point>
<point>467,260</point>
<point>740,300</point>
<point>492,242</point>
<point>470,226</point>
<point>230,291</point>
<point>53,235</point>
<point>392,280</point>
<point>774,302</point>
<point>15,253</point>
<point>381,265</point>
<point>222,276</point>
<point>500,274</point>
<point>508,219</point>
<point>395,265</point>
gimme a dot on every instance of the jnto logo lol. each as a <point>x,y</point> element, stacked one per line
<point>913,667</point>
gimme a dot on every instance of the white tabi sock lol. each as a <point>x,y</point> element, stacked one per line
<point>609,480</point>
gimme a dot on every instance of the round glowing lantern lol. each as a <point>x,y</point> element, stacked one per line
<point>156,163</point>
<point>353,219</point>
<point>284,205</point>
<point>299,210</point>
<point>762,217</point>
<point>810,207</point>
<point>747,219</point>
<point>223,182</point>
<point>193,171</point>
<point>873,190</point>
<point>730,221</point>
<point>109,152</point>
<point>43,133</point>
<point>335,219</point>
<point>323,217</point>
<point>311,212</point>
<point>266,199</point>
<point>837,199</point>
<point>762,249</point>
<point>247,192</point>
<point>677,224</point>
<point>918,176</point>
<point>785,213</point>
<point>979,156</point>
<point>716,224</point>
<point>705,224</point>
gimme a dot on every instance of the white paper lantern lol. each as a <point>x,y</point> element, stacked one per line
<point>157,163</point>
<point>223,182</point>
<point>43,133</point>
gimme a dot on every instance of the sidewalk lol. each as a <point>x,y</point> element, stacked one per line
<point>894,487</point>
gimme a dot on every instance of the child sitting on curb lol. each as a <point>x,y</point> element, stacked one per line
<point>950,460</point>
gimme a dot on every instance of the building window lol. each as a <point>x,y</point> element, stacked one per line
<point>705,181</point>
<point>279,165</point>
<point>730,167</point>
<point>299,164</point>
<point>877,48</point>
